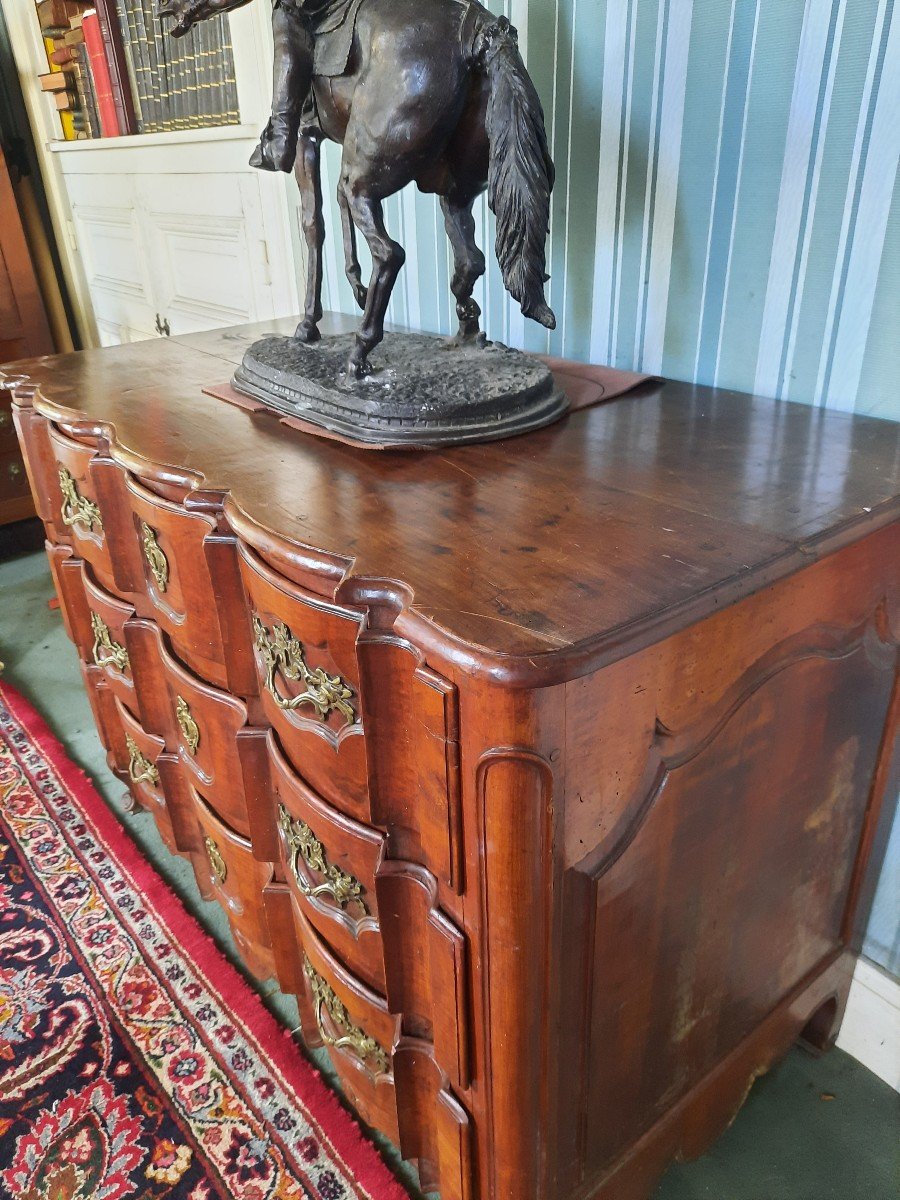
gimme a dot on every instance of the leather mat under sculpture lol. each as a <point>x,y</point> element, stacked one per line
<point>134,1060</point>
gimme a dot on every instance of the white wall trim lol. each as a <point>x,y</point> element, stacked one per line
<point>871,1029</point>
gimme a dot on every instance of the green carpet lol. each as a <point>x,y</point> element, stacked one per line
<point>814,1129</point>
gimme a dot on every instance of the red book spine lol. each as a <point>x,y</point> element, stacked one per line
<point>118,66</point>
<point>106,105</point>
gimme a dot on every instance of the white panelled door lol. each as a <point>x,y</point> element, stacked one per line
<point>207,256</point>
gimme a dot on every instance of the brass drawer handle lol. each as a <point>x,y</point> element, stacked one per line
<point>344,889</point>
<point>106,652</point>
<point>190,730</point>
<point>280,650</point>
<point>140,768</point>
<point>5,422</point>
<point>76,510</point>
<point>217,863</point>
<point>351,1036</point>
<point>155,556</point>
<point>15,470</point>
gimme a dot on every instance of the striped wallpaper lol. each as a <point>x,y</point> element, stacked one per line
<point>725,211</point>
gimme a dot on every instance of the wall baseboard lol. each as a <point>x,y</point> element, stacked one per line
<point>871,1028</point>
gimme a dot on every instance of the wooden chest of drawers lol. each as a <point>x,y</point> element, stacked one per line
<point>545,773</point>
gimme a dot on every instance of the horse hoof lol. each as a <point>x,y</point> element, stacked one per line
<point>357,370</point>
<point>361,295</point>
<point>307,332</point>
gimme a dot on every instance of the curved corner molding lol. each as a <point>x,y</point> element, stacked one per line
<point>282,653</point>
<point>76,509</point>
<point>350,1037</point>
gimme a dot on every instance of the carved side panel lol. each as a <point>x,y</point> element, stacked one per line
<point>726,885</point>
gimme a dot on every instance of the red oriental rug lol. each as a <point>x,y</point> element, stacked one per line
<point>134,1060</point>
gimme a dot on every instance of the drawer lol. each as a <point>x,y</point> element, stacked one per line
<point>330,862</point>
<point>381,917</point>
<point>391,1079</point>
<point>167,799</point>
<point>237,881</point>
<point>81,515</point>
<point>96,621</point>
<point>154,779</point>
<point>174,584</point>
<point>353,1022</point>
<point>203,725</point>
<point>305,650</point>
<point>13,479</point>
<point>8,441</point>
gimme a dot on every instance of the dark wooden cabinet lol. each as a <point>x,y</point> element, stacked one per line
<point>23,331</point>
<point>545,773</point>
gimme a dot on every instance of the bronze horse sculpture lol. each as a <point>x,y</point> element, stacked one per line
<point>434,92</point>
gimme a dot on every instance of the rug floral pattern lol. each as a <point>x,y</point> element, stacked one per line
<point>123,1070</point>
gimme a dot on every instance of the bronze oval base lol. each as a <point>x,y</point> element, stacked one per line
<point>423,391</point>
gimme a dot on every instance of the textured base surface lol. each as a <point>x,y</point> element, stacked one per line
<point>422,391</point>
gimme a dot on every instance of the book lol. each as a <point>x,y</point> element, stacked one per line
<point>66,101</point>
<point>64,54</point>
<point>100,76</point>
<point>54,15</point>
<point>156,82</point>
<point>230,109</point>
<point>54,81</point>
<point>114,50</point>
<point>139,58</point>
<point>90,122</point>
<point>66,121</point>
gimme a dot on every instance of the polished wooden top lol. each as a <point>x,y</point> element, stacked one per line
<point>568,544</point>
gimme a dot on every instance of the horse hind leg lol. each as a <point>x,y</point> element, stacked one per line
<point>388,258</point>
<point>351,259</point>
<point>307,171</point>
<point>469,266</point>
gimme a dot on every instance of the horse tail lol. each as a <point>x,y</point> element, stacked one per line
<point>520,173</point>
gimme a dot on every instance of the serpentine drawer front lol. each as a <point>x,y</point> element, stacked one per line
<point>545,773</point>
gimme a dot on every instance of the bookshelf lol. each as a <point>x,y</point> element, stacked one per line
<point>173,223</point>
<point>113,71</point>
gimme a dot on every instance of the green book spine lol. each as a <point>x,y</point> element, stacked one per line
<point>216,106</point>
<point>147,80</point>
<point>136,66</point>
<point>231,113</point>
<point>159,81</point>
<point>193,67</point>
<point>202,73</point>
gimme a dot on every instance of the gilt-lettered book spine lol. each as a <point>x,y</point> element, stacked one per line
<point>144,10</point>
<point>174,54</point>
<point>143,64</point>
<point>187,83</point>
<point>214,66</point>
<point>231,115</point>
<point>124,14</point>
<point>202,70</point>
